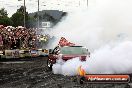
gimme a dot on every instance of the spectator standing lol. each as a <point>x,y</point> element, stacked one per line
<point>1,42</point>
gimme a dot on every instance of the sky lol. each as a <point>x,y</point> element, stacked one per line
<point>32,5</point>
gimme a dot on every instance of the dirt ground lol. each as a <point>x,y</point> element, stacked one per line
<point>33,73</point>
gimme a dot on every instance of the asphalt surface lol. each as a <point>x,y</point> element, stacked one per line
<point>33,73</point>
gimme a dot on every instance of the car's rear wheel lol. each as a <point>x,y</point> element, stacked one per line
<point>49,64</point>
<point>80,80</point>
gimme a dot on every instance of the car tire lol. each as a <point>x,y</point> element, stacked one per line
<point>49,65</point>
<point>80,80</point>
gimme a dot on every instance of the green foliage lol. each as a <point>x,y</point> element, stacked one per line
<point>21,9</point>
<point>5,21</point>
<point>18,17</point>
<point>35,16</point>
<point>31,22</point>
<point>3,12</point>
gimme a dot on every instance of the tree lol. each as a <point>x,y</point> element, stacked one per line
<point>5,21</point>
<point>3,12</point>
<point>35,16</point>
<point>31,23</point>
<point>21,9</point>
<point>18,17</point>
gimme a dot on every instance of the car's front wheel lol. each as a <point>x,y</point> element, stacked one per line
<point>49,64</point>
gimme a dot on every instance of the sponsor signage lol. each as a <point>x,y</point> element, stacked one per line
<point>12,53</point>
<point>46,24</point>
<point>107,78</point>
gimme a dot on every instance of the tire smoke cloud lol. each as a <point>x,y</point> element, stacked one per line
<point>105,29</point>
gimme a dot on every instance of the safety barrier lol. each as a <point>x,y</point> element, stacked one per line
<point>34,53</point>
<point>1,52</point>
<point>43,52</point>
<point>23,53</point>
<point>12,53</point>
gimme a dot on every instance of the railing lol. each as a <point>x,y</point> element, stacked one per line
<point>17,53</point>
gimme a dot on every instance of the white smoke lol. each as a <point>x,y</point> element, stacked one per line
<point>105,30</point>
<point>106,60</point>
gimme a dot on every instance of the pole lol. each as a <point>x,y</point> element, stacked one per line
<point>38,15</point>
<point>87,3</point>
<point>24,13</point>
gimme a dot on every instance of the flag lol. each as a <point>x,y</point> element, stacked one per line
<point>64,42</point>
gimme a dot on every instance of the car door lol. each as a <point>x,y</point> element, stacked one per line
<point>54,54</point>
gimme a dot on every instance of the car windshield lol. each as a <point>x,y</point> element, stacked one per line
<point>73,50</point>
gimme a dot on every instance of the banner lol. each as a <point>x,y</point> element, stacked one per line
<point>43,52</point>
<point>9,53</point>
<point>34,53</point>
<point>111,78</point>
<point>12,53</point>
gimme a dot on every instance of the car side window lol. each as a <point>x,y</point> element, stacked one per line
<point>56,50</point>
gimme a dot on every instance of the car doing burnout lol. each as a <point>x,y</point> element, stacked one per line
<point>67,53</point>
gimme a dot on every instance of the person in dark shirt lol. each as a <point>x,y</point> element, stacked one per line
<point>1,42</point>
<point>17,43</point>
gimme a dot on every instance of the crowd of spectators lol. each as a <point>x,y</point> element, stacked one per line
<point>18,38</point>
